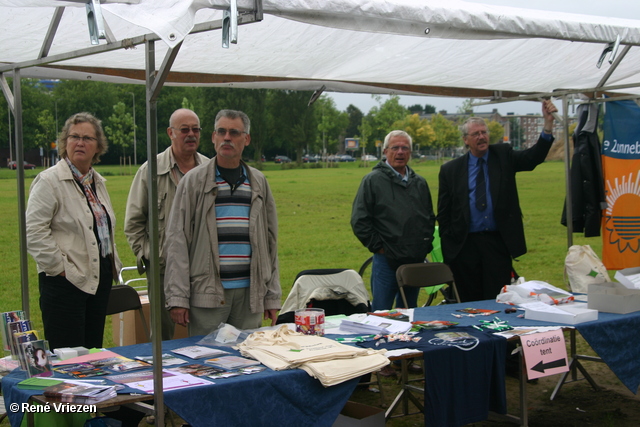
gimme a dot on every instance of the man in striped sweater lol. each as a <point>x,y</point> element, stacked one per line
<point>221,249</point>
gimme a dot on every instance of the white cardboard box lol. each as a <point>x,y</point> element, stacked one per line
<point>614,298</point>
<point>571,314</point>
<point>629,277</point>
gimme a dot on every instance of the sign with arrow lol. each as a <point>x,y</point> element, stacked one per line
<point>545,354</point>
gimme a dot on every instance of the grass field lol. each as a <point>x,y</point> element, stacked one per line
<point>314,207</point>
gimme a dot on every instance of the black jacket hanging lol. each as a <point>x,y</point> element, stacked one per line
<point>587,181</point>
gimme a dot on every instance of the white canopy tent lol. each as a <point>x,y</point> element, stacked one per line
<point>428,47</point>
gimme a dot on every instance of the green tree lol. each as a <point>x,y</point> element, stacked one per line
<point>332,125</point>
<point>415,109</point>
<point>296,121</point>
<point>355,120</point>
<point>120,128</point>
<point>429,109</point>
<point>366,143</point>
<point>382,117</point>
<point>447,132</point>
<point>45,131</point>
<point>496,132</point>
<point>466,107</point>
<point>420,130</point>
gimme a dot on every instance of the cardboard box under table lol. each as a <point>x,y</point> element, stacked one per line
<point>356,414</point>
<point>130,326</point>
<point>614,298</point>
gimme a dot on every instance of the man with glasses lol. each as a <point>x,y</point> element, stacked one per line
<point>393,217</point>
<point>173,163</point>
<point>479,214</point>
<point>222,249</point>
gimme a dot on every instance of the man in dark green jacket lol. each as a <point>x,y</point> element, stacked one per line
<point>393,217</point>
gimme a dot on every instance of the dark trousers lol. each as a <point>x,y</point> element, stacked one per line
<point>482,267</point>
<point>71,317</point>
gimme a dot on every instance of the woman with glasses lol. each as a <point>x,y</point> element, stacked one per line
<point>70,235</point>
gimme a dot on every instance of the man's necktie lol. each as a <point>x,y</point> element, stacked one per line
<point>481,187</point>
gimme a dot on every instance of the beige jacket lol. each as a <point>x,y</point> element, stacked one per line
<point>137,215</point>
<point>60,235</point>
<point>192,276</point>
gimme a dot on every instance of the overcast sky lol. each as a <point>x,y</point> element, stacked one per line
<point>611,8</point>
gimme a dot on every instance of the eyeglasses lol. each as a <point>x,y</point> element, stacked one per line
<point>85,139</point>
<point>185,130</point>
<point>478,134</point>
<point>234,133</point>
<point>399,148</point>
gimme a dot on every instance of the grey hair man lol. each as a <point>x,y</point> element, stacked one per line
<point>173,164</point>
<point>222,251</point>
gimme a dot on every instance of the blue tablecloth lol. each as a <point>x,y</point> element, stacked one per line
<point>267,398</point>
<point>611,336</point>
<point>464,379</point>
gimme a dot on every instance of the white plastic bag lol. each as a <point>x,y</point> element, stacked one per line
<point>533,291</point>
<point>582,267</point>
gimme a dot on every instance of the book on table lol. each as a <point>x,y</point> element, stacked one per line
<point>231,362</point>
<point>85,394</point>
<point>196,369</point>
<point>36,358</point>
<point>167,359</point>
<point>19,327</point>
<point>198,351</point>
<point>6,318</point>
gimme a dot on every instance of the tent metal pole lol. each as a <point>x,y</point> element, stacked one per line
<point>154,84</point>
<point>153,269</point>
<point>567,171</point>
<point>22,203</point>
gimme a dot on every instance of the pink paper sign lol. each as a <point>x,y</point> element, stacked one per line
<point>545,354</point>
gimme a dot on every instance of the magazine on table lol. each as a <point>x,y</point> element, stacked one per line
<point>6,318</point>
<point>79,393</point>
<point>196,369</point>
<point>167,359</point>
<point>20,338</point>
<point>170,381</point>
<point>35,354</point>
<point>109,362</point>
<point>375,325</point>
<point>129,365</point>
<point>80,370</point>
<point>232,362</point>
<point>18,327</point>
<point>236,372</point>
<point>199,352</point>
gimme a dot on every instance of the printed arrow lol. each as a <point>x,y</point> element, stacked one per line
<point>541,366</point>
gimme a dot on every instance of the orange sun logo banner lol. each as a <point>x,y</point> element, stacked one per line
<point>621,167</point>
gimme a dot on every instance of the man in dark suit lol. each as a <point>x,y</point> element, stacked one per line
<point>481,228</point>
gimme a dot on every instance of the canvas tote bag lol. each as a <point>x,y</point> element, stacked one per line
<point>582,267</point>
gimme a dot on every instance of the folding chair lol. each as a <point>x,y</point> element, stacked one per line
<point>337,291</point>
<point>427,275</point>
<point>140,287</point>
<point>124,298</point>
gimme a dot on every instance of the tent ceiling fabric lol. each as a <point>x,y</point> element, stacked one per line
<point>471,50</point>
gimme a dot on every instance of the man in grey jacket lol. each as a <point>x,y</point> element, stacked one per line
<point>222,249</point>
<point>173,163</point>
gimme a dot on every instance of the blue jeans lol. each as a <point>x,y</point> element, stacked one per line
<point>384,286</point>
